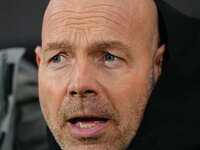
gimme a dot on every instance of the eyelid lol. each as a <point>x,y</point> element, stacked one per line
<point>116,53</point>
<point>61,53</point>
<point>118,56</point>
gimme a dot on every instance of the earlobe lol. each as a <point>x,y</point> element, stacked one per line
<point>38,50</point>
<point>158,61</point>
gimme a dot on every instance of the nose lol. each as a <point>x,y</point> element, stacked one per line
<point>83,82</point>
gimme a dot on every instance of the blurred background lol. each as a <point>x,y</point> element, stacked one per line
<point>20,29</point>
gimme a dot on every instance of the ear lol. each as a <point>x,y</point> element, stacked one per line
<point>38,52</point>
<point>158,61</point>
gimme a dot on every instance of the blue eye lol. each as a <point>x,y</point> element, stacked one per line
<point>109,57</point>
<point>56,59</point>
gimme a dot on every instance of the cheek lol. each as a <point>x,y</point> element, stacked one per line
<point>129,93</point>
<point>51,92</point>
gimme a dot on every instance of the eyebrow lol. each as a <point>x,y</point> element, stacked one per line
<point>57,46</point>
<point>96,46</point>
<point>109,45</point>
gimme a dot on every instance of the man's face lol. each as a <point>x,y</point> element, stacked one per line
<point>97,66</point>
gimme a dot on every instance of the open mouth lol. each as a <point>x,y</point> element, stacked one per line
<point>87,126</point>
<point>87,122</point>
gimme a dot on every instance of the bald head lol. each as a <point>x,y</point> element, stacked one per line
<point>121,16</point>
<point>98,64</point>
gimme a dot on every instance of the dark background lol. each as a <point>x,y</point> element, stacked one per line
<point>189,7</point>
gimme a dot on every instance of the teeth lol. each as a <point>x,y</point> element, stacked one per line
<point>85,125</point>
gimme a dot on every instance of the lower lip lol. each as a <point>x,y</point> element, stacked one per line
<point>88,132</point>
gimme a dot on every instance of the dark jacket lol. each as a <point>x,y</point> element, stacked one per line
<point>171,120</point>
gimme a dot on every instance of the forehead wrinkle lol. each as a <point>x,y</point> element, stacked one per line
<point>109,13</point>
<point>105,9</point>
<point>91,19</point>
<point>81,25</point>
<point>101,10</point>
<point>54,14</point>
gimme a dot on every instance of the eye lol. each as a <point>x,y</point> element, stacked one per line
<point>112,61</point>
<point>109,57</point>
<point>57,59</point>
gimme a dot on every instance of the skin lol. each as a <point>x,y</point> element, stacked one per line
<point>101,58</point>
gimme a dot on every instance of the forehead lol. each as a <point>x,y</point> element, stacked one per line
<point>92,18</point>
<point>82,5</point>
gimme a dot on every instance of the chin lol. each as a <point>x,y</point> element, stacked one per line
<point>91,147</point>
<point>103,143</point>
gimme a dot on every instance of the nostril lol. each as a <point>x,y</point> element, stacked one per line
<point>83,93</point>
<point>89,92</point>
<point>73,93</point>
